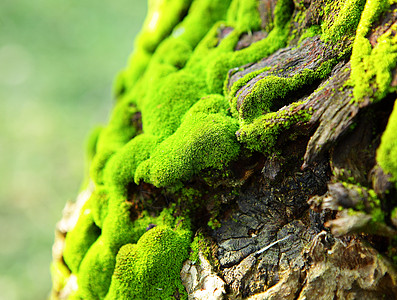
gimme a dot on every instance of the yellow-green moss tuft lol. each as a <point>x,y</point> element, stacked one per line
<point>341,19</point>
<point>387,151</point>
<point>150,269</point>
<point>245,14</point>
<point>202,141</point>
<point>80,239</point>
<point>261,135</point>
<point>371,67</point>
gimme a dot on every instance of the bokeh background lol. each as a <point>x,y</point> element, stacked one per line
<point>58,59</point>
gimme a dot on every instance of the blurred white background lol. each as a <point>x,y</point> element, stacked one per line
<point>58,60</point>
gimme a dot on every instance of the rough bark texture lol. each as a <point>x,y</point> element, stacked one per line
<point>250,156</point>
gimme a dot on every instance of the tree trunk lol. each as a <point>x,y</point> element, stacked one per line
<point>251,154</point>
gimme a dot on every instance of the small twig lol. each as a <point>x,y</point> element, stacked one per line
<point>270,245</point>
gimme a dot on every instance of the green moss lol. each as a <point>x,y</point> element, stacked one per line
<point>240,83</point>
<point>171,122</point>
<point>116,134</point>
<point>163,104</point>
<point>270,89</point>
<point>371,73</point>
<point>371,67</point>
<point>262,96</point>
<point>92,141</point>
<point>150,269</point>
<point>213,223</point>
<point>261,135</point>
<point>371,205</point>
<point>218,69</point>
<point>386,154</point>
<point>174,51</point>
<point>80,239</point>
<point>202,141</point>
<point>200,244</point>
<point>99,205</point>
<point>282,13</point>
<point>74,295</point>
<point>341,19</point>
<point>393,216</point>
<point>162,17</point>
<point>90,152</point>
<point>59,274</point>
<point>171,98</point>
<point>245,14</point>
<point>119,227</point>
<point>213,60</point>
<point>309,32</point>
<point>194,250</point>
<point>128,78</point>
<point>96,269</point>
<point>121,169</point>
<point>194,27</point>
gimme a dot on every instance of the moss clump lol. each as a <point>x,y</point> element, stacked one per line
<point>162,17</point>
<point>96,271</point>
<point>99,205</point>
<point>121,168</point>
<point>271,89</point>
<point>371,72</point>
<point>80,239</point>
<point>393,216</point>
<point>116,134</point>
<point>341,19</point>
<point>90,153</point>
<point>202,141</point>
<point>176,83</point>
<point>387,152</point>
<point>245,14</point>
<point>171,98</point>
<point>200,244</point>
<point>261,135</point>
<point>97,266</point>
<point>150,269</point>
<point>59,274</point>
<point>309,32</point>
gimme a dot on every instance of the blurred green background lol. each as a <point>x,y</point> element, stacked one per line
<point>58,60</point>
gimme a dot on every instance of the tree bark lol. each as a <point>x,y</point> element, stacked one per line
<point>251,155</point>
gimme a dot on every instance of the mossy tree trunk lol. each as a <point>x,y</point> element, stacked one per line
<point>251,154</point>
